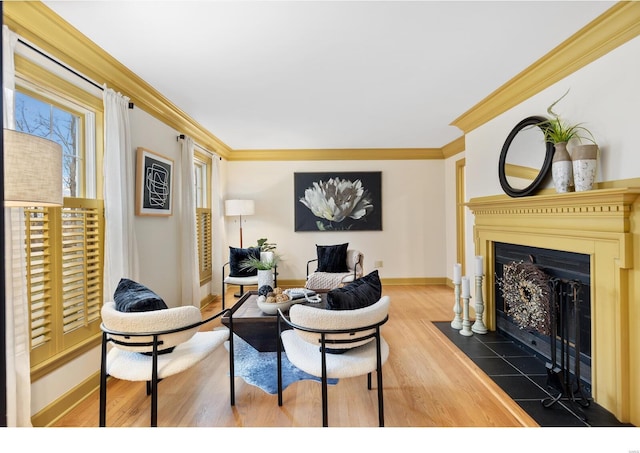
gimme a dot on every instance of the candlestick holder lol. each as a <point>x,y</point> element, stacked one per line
<point>466,323</point>
<point>478,326</point>
<point>457,309</point>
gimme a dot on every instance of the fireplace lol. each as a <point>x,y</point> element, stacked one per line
<point>566,270</point>
<point>603,225</point>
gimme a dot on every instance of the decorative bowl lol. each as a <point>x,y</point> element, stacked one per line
<point>271,308</point>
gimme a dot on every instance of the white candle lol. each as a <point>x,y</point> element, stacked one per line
<point>457,273</point>
<point>466,288</point>
<point>479,266</point>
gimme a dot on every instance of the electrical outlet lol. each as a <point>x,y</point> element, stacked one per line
<point>377,264</point>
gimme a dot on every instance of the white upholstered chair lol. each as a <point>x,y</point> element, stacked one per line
<point>329,280</point>
<point>252,280</point>
<point>142,342</point>
<point>355,332</point>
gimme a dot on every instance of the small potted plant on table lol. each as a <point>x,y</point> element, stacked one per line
<point>265,265</point>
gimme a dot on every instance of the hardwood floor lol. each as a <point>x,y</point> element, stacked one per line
<point>428,382</point>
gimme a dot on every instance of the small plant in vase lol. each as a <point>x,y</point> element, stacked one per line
<point>559,132</point>
<point>265,265</point>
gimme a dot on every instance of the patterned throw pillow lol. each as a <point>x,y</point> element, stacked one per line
<point>332,258</point>
<point>131,296</point>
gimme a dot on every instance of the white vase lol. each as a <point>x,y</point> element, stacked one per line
<point>265,277</point>
<point>585,159</point>
<point>562,168</point>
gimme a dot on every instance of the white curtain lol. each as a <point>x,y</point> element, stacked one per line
<point>17,329</point>
<point>219,253</point>
<point>121,249</point>
<point>190,269</point>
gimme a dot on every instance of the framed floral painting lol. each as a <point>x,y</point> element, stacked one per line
<point>338,201</point>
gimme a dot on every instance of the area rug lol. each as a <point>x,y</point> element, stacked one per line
<point>261,368</point>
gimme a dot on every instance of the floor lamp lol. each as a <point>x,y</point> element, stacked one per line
<point>32,176</point>
<point>239,208</point>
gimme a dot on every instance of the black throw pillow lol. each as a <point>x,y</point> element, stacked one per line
<point>237,256</point>
<point>131,296</point>
<point>360,293</point>
<point>332,258</point>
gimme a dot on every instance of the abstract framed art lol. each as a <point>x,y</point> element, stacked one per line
<point>338,201</point>
<point>154,184</point>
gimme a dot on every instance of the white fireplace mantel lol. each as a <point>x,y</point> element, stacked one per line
<point>604,225</point>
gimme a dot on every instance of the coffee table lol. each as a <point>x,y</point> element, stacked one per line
<point>257,328</point>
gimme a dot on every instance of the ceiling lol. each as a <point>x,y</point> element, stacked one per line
<point>328,74</point>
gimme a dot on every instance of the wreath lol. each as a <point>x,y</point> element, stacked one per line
<point>526,293</point>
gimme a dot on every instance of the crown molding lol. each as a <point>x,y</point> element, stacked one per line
<point>453,148</point>
<point>336,154</point>
<point>614,27</point>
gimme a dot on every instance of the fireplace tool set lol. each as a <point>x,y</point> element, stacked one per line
<point>565,312</point>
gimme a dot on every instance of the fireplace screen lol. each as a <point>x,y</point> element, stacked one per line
<point>525,312</point>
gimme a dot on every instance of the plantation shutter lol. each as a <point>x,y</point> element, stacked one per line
<point>39,276</point>
<point>81,265</point>
<point>65,281</point>
<point>203,228</point>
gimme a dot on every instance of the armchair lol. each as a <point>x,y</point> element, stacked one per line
<point>234,274</point>
<point>355,335</point>
<point>153,345</point>
<point>326,276</point>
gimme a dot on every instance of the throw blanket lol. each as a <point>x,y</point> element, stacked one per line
<point>326,280</point>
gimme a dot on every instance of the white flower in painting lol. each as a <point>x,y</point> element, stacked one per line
<point>338,199</point>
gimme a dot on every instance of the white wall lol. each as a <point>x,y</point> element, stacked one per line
<point>158,237</point>
<point>413,225</point>
<point>605,96</point>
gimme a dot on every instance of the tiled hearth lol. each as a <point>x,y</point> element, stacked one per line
<point>523,377</point>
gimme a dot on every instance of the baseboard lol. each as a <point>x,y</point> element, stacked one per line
<point>405,281</point>
<point>61,406</point>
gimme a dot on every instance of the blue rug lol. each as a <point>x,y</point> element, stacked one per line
<point>261,368</point>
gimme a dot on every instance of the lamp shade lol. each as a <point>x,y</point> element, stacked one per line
<point>239,207</point>
<point>32,170</point>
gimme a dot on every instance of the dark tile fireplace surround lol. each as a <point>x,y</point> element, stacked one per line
<point>520,361</point>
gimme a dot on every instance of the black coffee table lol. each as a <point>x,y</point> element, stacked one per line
<point>258,329</point>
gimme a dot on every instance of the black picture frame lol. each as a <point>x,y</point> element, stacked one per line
<point>154,184</point>
<point>338,201</point>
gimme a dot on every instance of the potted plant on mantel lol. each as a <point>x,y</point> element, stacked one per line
<point>567,171</point>
<point>265,265</point>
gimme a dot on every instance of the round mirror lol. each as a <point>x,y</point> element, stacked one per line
<point>525,158</point>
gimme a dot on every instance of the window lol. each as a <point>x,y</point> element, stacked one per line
<point>202,173</point>
<point>64,245</point>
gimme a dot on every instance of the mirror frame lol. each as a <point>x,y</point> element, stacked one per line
<point>546,165</point>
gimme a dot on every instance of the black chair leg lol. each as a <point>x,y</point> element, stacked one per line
<point>223,285</point>
<point>325,409</point>
<point>232,385</point>
<point>279,366</point>
<point>380,400</point>
<point>325,391</point>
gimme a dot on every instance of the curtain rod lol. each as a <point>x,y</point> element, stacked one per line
<point>211,153</point>
<point>62,65</point>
